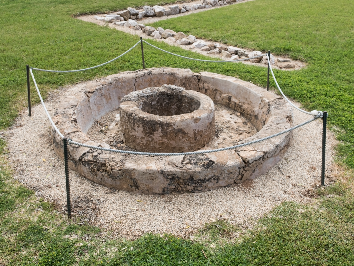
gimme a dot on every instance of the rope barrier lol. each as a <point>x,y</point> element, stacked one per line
<point>314,112</point>
<point>45,108</point>
<point>84,69</point>
<point>203,60</point>
<point>192,152</point>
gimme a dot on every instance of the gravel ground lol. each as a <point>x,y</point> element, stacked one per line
<point>35,164</point>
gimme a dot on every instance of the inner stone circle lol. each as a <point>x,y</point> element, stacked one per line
<point>167,119</point>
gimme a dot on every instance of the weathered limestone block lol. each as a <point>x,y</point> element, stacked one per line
<point>133,11</point>
<point>149,11</point>
<point>124,14</point>
<point>159,11</point>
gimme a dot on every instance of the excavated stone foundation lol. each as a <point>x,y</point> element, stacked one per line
<point>82,110</point>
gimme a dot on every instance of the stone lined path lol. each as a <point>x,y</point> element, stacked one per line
<point>134,22</point>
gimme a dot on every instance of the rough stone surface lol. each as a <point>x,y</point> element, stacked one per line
<point>141,14</point>
<point>184,41</point>
<point>168,33</point>
<point>133,11</point>
<point>199,44</point>
<point>149,30</point>
<point>225,54</point>
<point>76,115</point>
<point>124,14</point>
<point>131,23</point>
<point>167,119</point>
<point>173,10</point>
<point>156,34</point>
<point>180,35</point>
<point>191,38</point>
<point>159,11</point>
<point>149,11</point>
<point>255,54</point>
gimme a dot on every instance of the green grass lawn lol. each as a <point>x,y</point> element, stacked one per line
<point>44,34</point>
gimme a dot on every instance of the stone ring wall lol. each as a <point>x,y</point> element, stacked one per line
<point>78,110</point>
<point>167,119</point>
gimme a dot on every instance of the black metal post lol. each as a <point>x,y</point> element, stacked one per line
<point>268,70</point>
<point>28,91</point>
<point>66,159</point>
<point>324,118</point>
<point>142,51</point>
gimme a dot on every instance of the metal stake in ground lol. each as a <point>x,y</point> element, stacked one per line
<point>66,159</point>
<point>268,71</point>
<point>28,91</point>
<point>324,118</point>
<point>142,51</point>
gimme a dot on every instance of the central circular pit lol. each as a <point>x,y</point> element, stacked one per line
<point>167,119</point>
<point>195,111</point>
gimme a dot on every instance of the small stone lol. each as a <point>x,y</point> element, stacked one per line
<point>141,26</point>
<point>191,38</point>
<point>211,46</point>
<point>231,50</point>
<point>225,54</point>
<point>120,23</point>
<point>241,52</point>
<point>99,18</point>
<point>286,65</point>
<point>223,47</point>
<point>125,14</point>
<point>234,57</point>
<point>160,30</point>
<point>148,30</point>
<point>190,8</point>
<point>184,41</point>
<point>133,11</point>
<point>149,11</point>
<point>283,60</point>
<point>174,10</point>
<point>205,48</point>
<point>168,33</point>
<point>156,34</point>
<point>132,22</point>
<point>183,10</point>
<point>141,14</point>
<point>137,27</point>
<point>214,51</point>
<point>199,44</point>
<point>255,54</point>
<point>170,39</point>
<point>159,11</point>
<point>180,35</point>
<point>113,17</point>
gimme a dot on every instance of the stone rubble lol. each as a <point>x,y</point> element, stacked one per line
<point>129,18</point>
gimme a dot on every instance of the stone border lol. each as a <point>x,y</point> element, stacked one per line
<point>129,21</point>
<point>74,115</point>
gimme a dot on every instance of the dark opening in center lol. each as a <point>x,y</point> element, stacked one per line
<point>168,104</point>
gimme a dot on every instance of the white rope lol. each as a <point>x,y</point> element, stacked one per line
<point>78,70</point>
<point>45,108</point>
<point>314,112</point>
<point>202,60</point>
<point>192,152</point>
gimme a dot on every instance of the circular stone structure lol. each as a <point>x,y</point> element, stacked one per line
<point>167,119</point>
<point>84,106</point>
